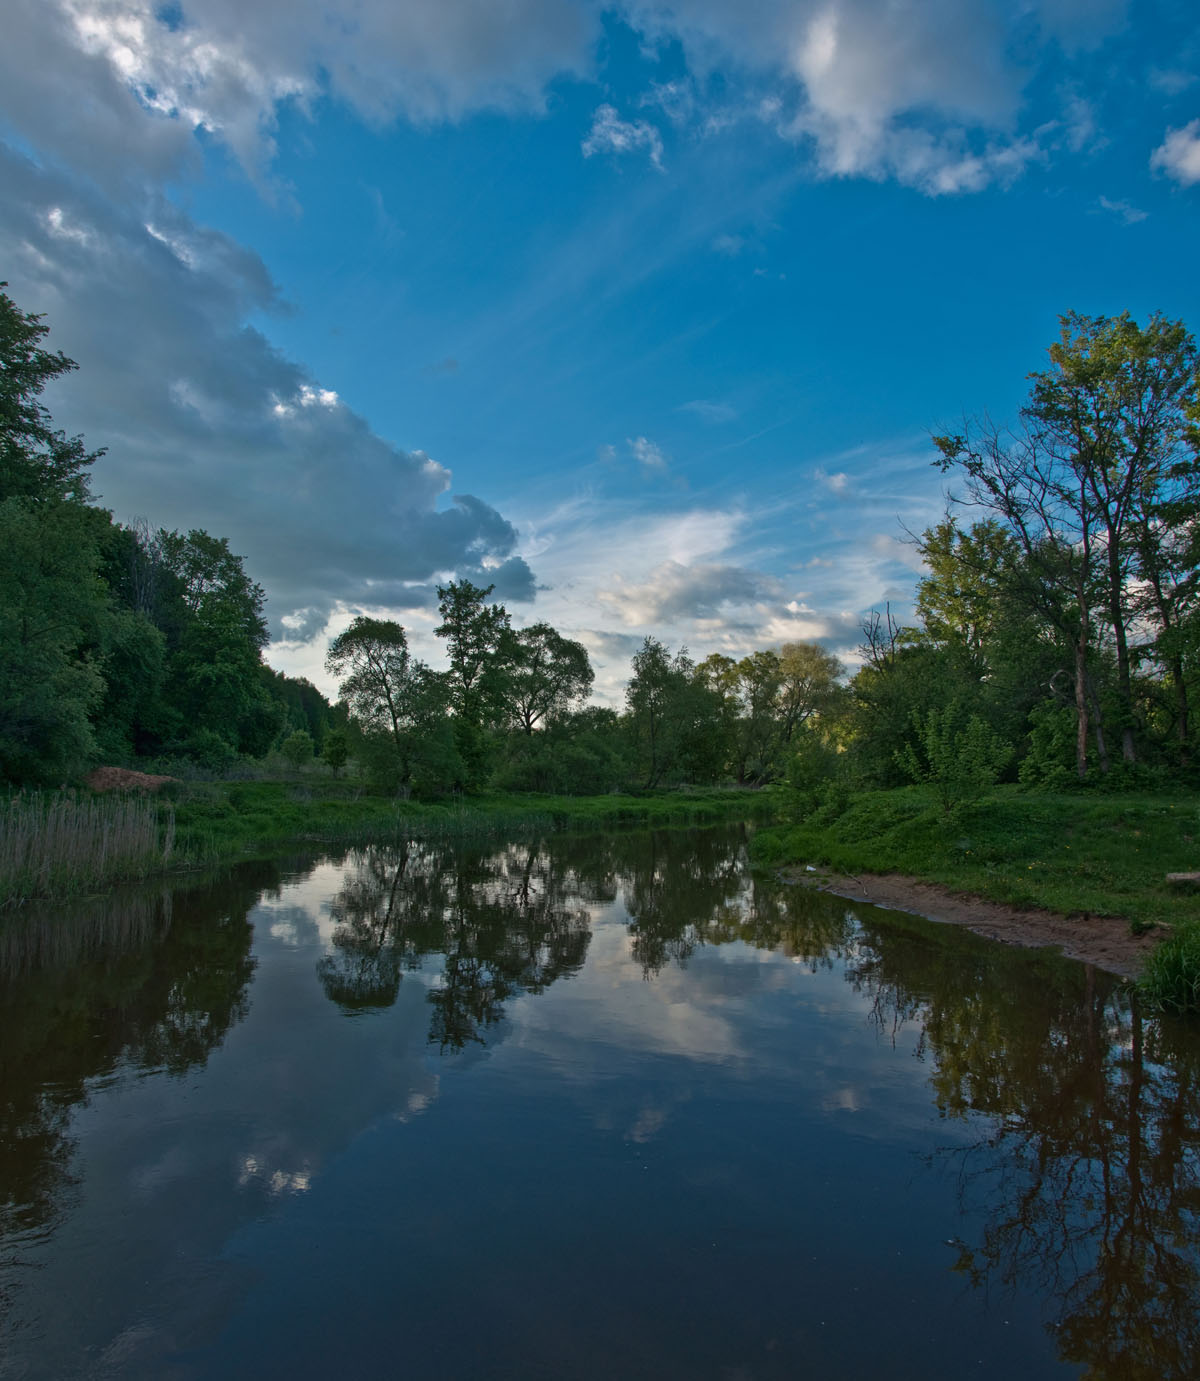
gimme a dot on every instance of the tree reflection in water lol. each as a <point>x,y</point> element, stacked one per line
<point>148,981</point>
<point>1079,1179</point>
<point>506,922</point>
<point>1087,1178</point>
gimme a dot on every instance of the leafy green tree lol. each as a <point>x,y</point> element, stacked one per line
<point>476,645</point>
<point>1093,492</point>
<point>51,619</point>
<point>36,461</point>
<point>666,705</point>
<point>297,748</point>
<point>809,686</point>
<point>1115,413</point>
<point>396,701</point>
<point>335,751</point>
<point>480,651</point>
<point>958,756</point>
<point>548,675</point>
<point>212,613</point>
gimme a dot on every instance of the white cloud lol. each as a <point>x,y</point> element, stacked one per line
<point>928,94</point>
<point>708,411</point>
<point>611,134</point>
<point>648,455</point>
<point>1171,81</point>
<point>1125,212</point>
<point>208,426</point>
<point>676,592</point>
<point>1179,154</point>
<point>729,245</point>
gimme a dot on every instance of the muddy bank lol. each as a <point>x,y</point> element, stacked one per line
<point>1101,940</point>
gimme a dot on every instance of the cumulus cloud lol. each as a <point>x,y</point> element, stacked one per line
<point>1178,156</point>
<point>677,591</point>
<point>224,68</point>
<point>611,134</point>
<point>928,94</point>
<point>208,426</point>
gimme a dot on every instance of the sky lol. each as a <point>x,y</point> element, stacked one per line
<point>644,313</point>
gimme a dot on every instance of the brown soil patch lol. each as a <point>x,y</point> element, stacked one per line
<point>1101,940</point>
<point>124,779</point>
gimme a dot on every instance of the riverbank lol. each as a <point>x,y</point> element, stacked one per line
<point>60,844</point>
<point>1105,941</point>
<point>1087,873</point>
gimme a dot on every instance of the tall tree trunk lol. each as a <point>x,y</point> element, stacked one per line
<point>1081,706</point>
<point>1116,616</point>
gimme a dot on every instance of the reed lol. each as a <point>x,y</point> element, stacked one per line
<point>62,844</point>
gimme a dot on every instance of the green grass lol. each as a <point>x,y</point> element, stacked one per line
<point>221,821</point>
<point>1103,855</point>
<point>1171,979</point>
<point>61,844</point>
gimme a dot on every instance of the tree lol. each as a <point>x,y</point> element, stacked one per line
<point>392,696</point>
<point>336,750</point>
<point>1116,412</point>
<point>36,462</point>
<point>297,748</point>
<point>372,662</point>
<point>475,636</point>
<point>809,679</point>
<point>1092,490</point>
<point>478,645</point>
<point>660,707</point>
<point>548,675</point>
<point>51,620</point>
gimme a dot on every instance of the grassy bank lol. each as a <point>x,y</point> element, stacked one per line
<point>60,844</point>
<point>1103,855</point>
<point>1097,855</point>
<point>218,821</point>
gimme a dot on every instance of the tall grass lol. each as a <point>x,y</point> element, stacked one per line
<point>61,844</point>
<point>1171,978</point>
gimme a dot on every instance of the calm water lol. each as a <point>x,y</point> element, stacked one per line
<point>581,1108</point>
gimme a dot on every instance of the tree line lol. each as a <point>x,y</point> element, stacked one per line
<point>117,643</point>
<point>1057,632</point>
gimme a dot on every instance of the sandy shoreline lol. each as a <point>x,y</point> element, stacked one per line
<point>1101,940</point>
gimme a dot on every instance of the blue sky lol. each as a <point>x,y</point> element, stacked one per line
<point>643,312</point>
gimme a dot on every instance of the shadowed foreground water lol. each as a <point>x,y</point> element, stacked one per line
<point>579,1108</point>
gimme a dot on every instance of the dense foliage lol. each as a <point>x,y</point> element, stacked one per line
<point>1057,637</point>
<point>117,643</point>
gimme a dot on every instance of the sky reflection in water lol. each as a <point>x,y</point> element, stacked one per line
<point>579,1107</point>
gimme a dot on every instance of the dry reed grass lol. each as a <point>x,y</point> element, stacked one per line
<point>63,844</point>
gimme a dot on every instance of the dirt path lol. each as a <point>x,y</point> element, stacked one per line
<point>1101,940</point>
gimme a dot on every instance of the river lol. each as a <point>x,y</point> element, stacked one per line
<point>579,1107</point>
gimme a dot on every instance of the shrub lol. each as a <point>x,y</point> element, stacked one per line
<point>960,763</point>
<point>1171,979</point>
<point>297,748</point>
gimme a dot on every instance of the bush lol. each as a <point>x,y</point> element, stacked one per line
<point>336,750</point>
<point>960,763</point>
<point>297,748</point>
<point>1171,980</point>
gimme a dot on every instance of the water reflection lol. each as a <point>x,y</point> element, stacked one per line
<point>504,922</point>
<point>149,981</point>
<point>1054,1125</point>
